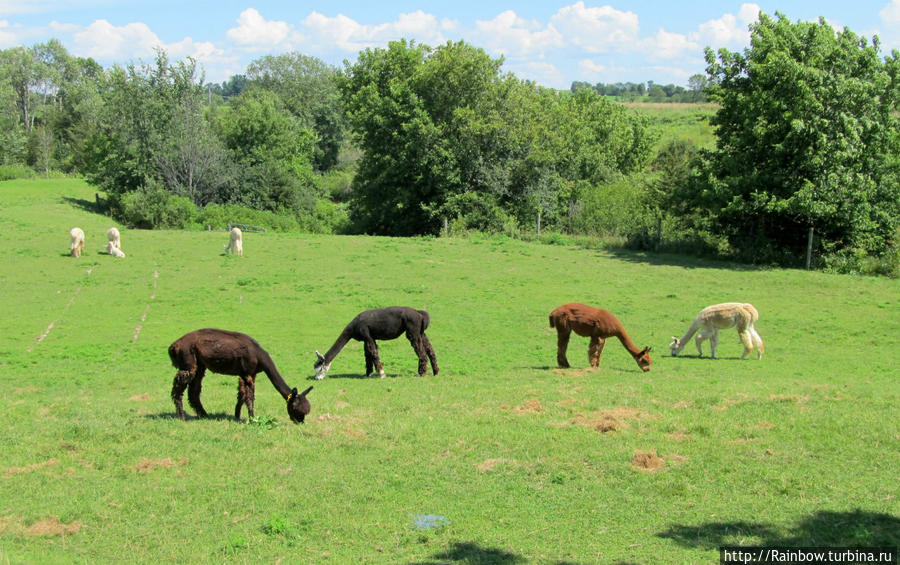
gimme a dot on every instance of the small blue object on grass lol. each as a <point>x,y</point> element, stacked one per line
<point>429,521</point>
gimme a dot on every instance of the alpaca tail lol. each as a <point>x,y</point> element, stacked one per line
<point>426,319</point>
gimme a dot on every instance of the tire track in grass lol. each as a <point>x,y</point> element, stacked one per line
<point>140,326</point>
<point>52,324</point>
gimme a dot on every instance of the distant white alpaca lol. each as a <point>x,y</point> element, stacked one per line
<point>114,251</point>
<point>236,242</point>
<point>76,245</point>
<point>718,317</point>
<point>113,236</point>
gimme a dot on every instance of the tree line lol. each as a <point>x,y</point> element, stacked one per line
<point>650,91</point>
<point>411,139</point>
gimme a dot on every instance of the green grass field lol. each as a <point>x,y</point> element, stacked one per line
<point>502,458</point>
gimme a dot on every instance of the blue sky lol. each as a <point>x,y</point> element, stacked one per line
<point>552,42</point>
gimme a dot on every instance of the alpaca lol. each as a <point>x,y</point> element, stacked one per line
<point>718,317</point>
<point>596,324</point>
<point>235,242</point>
<point>112,234</point>
<point>114,251</point>
<point>383,323</point>
<point>227,353</point>
<point>76,244</point>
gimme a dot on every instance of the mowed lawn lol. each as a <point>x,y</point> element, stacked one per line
<point>501,458</point>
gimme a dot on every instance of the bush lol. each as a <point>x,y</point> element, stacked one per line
<point>219,216</point>
<point>153,207</point>
<point>11,172</point>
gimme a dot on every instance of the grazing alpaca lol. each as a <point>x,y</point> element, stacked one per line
<point>114,251</point>
<point>112,234</point>
<point>719,317</point>
<point>596,324</point>
<point>236,242</point>
<point>383,323</point>
<point>76,244</point>
<point>227,353</point>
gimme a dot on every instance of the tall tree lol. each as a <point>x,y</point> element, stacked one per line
<point>308,89</point>
<point>806,139</point>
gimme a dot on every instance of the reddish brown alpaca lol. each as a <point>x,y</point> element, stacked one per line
<point>596,324</point>
<point>228,353</point>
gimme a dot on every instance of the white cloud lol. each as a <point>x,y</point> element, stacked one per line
<point>890,14</point>
<point>729,30</point>
<point>510,35</point>
<point>666,45</point>
<point>255,32</point>
<point>102,40</point>
<point>541,72</point>
<point>324,33</point>
<point>600,29</point>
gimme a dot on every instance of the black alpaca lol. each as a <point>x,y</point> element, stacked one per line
<point>227,353</point>
<point>383,323</point>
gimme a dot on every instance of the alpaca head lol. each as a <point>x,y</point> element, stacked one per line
<point>298,406</point>
<point>676,346</point>
<point>643,359</point>
<point>321,366</point>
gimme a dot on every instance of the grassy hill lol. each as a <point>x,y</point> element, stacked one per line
<point>502,458</point>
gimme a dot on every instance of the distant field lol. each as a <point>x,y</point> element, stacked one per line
<point>679,121</point>
<point>502,458</point>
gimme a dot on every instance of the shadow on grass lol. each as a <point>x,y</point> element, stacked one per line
<point>824,528</point>
<point>220,416</point>
<point>86,205</point>
<point>473,554</point>
<point>686,261</point>
<point>355,376</point>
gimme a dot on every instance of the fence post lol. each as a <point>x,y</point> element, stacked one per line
<point>809,244</point>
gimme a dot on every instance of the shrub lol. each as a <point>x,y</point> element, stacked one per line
<point>11,172</point>
<point>153,207</point>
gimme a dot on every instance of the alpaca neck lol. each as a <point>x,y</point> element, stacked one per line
<point>690,333</point>
<point>339,344</point>
<point>268,367</point>
<point>629,345</point>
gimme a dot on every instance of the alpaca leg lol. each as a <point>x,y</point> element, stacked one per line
<point>182,378</point>
<point>758,342</point>
<point>432,356</point>
<point>419,347</point>
<point>372,350</point>
<point>194,392</point>
<point>713,344</point>
<point>746,341</point>
<point>370,364</point>
<point>595,350</point>
<point>244,396</point>
<point>562,343</point>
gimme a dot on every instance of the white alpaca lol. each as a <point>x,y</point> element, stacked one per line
<point>113,236</point>
<point>76,245</point>
<point>114,251</point>
<point>236,242</point>
<point>718,317</point>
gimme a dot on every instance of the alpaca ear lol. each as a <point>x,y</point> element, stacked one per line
<point>305,392</point>
<point>320,356</point>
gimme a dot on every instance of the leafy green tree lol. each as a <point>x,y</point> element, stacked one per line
<point>308,90</point>
<point>807,138</point>
<point>272,149</point>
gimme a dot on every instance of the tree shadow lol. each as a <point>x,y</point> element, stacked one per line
<point>825,528</point>
<point>685,261</point>
<point>92,206</point>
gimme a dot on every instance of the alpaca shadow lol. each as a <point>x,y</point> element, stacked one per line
<point>469,552</point>
<point>823,528</point>
<point>217,417</point>
<point>356,376</point>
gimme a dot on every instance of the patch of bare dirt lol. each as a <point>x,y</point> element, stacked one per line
<point>678,435</point>
<point>489,465</point>
<point>608,420</point>
<point>531,406</point>
<point>147,465</point>
<point>729,402</point>
<point>52,527</point>
<point>647,461</point>
<point>25,389</point>
<point>141,397</point>
<point>29,468</point>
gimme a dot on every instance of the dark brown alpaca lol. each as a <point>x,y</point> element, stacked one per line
<point>596,324</point>
<point>227,353</point>
<point>383,323</point>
